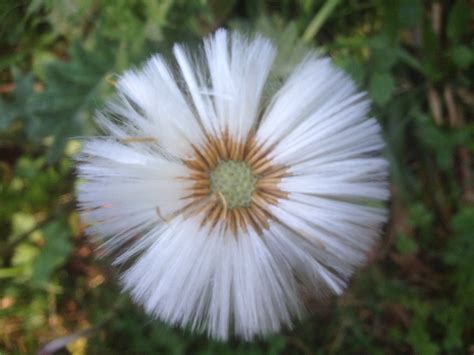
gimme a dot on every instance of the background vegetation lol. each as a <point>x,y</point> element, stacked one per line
<point>57,64</point>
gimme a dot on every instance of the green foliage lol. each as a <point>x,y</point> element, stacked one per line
<point>71,90</point>
<point>381,87</point>
<point>414,58</point>
<point>16,107</point>
<point>53,253</point>
<point>458,20</point>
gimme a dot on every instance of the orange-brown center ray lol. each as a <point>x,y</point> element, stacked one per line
<point>212,206</point>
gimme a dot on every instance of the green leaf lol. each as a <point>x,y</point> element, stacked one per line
<point>381,87</point>
<point>15,107</point>
<point>460,255</point>
<point>406,244</point>
<point>418,335</point>
<point>72,92</point>
<point>462,56</point>
<point>384,53</point>
<point>420,216</point>
<point>54,253</point>
<point>384,58</point>
<point>353,67</point>
<point>458,20</point>
<point>451,317</point>
<point>442,142</point>
<point>410,12</point>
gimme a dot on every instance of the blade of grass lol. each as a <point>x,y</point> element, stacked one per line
<point>319,20</point>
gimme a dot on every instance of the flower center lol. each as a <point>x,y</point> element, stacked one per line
<point>234,180</point>
<point>234,183</point>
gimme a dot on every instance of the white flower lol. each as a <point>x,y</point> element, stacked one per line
<point>224,206</point>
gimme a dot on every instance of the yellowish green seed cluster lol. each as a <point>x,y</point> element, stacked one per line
<point>234,180</point>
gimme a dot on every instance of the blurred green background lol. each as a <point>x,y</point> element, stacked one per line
<point>58,60</point>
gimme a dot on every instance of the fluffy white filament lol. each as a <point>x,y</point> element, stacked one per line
<point>180,271</point>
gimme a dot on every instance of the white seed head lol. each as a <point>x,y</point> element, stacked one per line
<point>226,209</point>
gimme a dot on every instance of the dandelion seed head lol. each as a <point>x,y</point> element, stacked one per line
<point>229,210</point>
